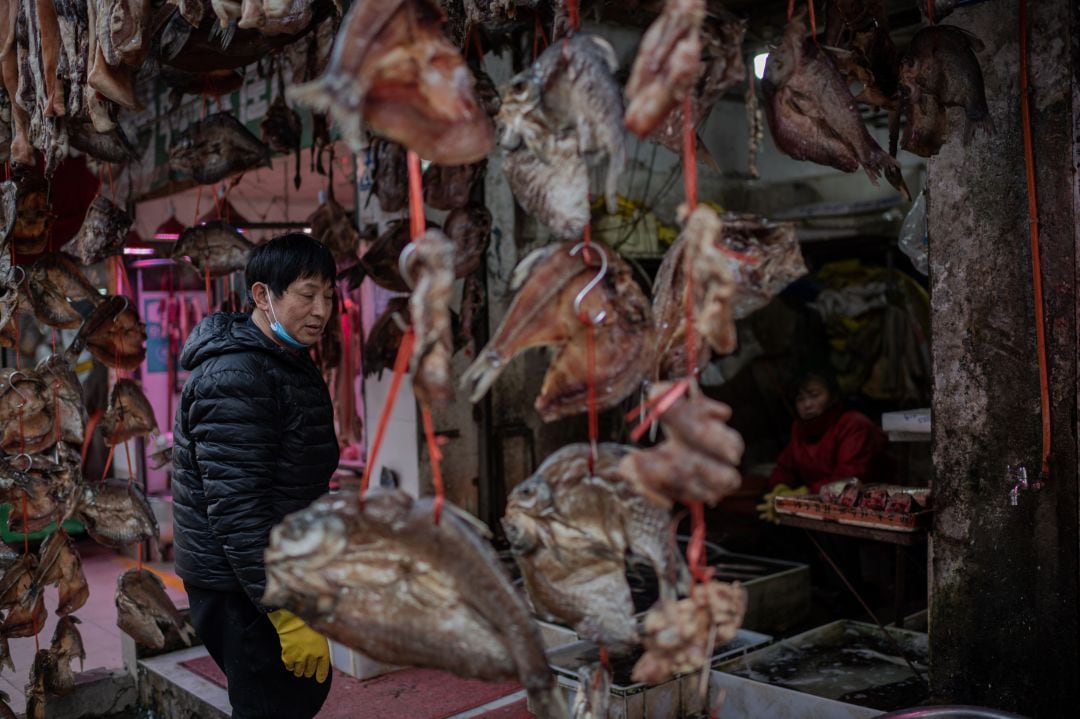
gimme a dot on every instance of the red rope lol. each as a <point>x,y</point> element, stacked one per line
<point>436,461</point>
<point>400,365</point>
<point>695,552</point>
<point>417,223</point>
<point>658,406</point>
<point>813,20</point>
<point>1036,260</point>
<point>206,276</point>
<point>573,12</point>
<point>108,463</point>
<point>930,11</point>
<point>89,434</point>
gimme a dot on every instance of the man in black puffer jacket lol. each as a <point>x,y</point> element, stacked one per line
<point>254,441</point>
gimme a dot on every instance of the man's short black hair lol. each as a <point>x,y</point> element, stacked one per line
<point>288,258</point>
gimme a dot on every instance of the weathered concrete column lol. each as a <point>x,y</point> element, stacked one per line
<point>1004,603</point>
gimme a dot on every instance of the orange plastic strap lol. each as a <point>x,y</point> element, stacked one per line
<point>695,552</point>
<point>400,365</point>
<point>1036,259</point>
<point>658,406</point>
<point>209,294</point>
<point>417,223</point>
<point>436,461</point>
<point>89,434</point>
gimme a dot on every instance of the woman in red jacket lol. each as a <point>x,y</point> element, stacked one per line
<point>828,441</point>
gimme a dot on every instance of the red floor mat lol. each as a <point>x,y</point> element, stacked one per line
<point>404,694</point>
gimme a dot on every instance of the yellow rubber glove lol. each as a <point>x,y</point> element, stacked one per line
<point>304,651</point>
<point>767,509</point>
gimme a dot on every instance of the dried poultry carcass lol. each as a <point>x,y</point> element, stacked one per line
<point>22,153</point>
<point>681,634</point>
<point>557,295</point>
<point>722,59</point>
<point>113,334</point>
<point>571,530</point>
<point>447,187</point>
<point>215,247</point>
<point>698,460</point>
<point>65,397</point>
<point>26,419</point>
<point>469,228</point>
<point>53,282</point>
<point>939,71</point>
<point>384,338</point>
<point>667,66</point>
<point>129,414</point>
<point>387,580</point>
<point>145,612</point>
<point>212,149</point>
<point>116,514</point>
<point>331,225</point>
<point>61,565</point>
<point>812,115</point>
<point>389,175</point>
<point>857,35</point>
<point>276,17</point>
<point>393,67</point>
<point>9,276</point>
<point>569,92</point>
<point>124,37</point>
<point>102,234</point>
<point>430,266</point>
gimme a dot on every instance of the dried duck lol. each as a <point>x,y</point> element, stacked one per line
<point>556,299</point>
<point>384,578</point>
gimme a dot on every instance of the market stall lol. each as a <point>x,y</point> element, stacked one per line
<point>585,303</point>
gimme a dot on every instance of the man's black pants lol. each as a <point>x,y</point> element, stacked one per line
<point>245,645</point>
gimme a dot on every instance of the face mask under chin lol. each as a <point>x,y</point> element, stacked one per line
<point>279,330</point>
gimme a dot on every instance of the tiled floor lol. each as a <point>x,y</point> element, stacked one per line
<point>100,635</point>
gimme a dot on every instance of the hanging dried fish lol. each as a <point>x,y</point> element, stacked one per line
<point>26,421</point>
<point>60,565</point>
<point>33,212</point>
<point>113,334</point>
<point>450,187</point>
<point>129,414</point>
<point>212,149</point>
<point>281,128</point>
<point>102,234</point>
<point>145,612</point>
<point>53,283</point>
<point>332,226</point>
<point>389,177</point>
<point>216,247</point>
<point>393,66</point>
<point>65,397</point>
<point>116,514</point>
<point>555,291</point>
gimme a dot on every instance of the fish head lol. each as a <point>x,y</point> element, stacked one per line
<point>786,59</point>
<point>533,496</point>
<point>521,532</point>
<point>518,111</point>
<point>304,542</point>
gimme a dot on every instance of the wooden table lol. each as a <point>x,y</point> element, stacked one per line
<point>898,539</point>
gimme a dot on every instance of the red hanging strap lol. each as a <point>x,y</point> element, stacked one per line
<point>417,223</point>
<point>573,13</point>
<point>930,11</point>
<point>89,433</point>
<point>401,363</point>
<point>810,8</point>
<point>1036,259</point>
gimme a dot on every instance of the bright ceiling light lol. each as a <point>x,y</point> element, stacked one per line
<point>759,64</point>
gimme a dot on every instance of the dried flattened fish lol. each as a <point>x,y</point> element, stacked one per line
<point>129,414</point>
<point>282,130</point>
<point>857,35</point>
<point>545,312</point>
<point>667,66</point>
<point>54,281</point>
<point>51,490</point>
<point>145,612</point>
<point>34,214</point>
<point>113,334</point>
<point>26,422</point>
<point>393,66</point>
<point>9,287</point>
<point>109,146</point>
<point>102,234</point>
<point>66,645</point>
<point>431,267</point>
<point>23,599</point>
<point>387,580</point>
<point>116,514</point>
<point>60,565</point>
<point>65,397</point>
<point>811,113</point>
<point>214,148</point>
<point>215,247</point>
<point>331,225</point>
<point>384,339</point>
<point>381,261</point>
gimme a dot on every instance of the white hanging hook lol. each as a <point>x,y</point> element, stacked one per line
<point>127,304</point>
<point>403,260</point>
<point>16,390</point>
<point>593,282</point>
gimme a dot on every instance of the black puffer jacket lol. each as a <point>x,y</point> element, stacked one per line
<point>253,441</point>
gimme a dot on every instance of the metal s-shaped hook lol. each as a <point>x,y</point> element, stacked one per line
<point>29,461</point>
<point>592,283</point>
<point>127,304</point>
<point>403,259</point>
<point>15,389</point>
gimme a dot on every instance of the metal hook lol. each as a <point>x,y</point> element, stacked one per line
<point>592,283</point>
<point>29,461</point>
<point>22,274</point>
<point>403,258</point>
<point>400,322</point>
<point>16,390</point>
<point>127,304</point>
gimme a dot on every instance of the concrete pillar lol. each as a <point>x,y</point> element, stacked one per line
<point>1004,603</point>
